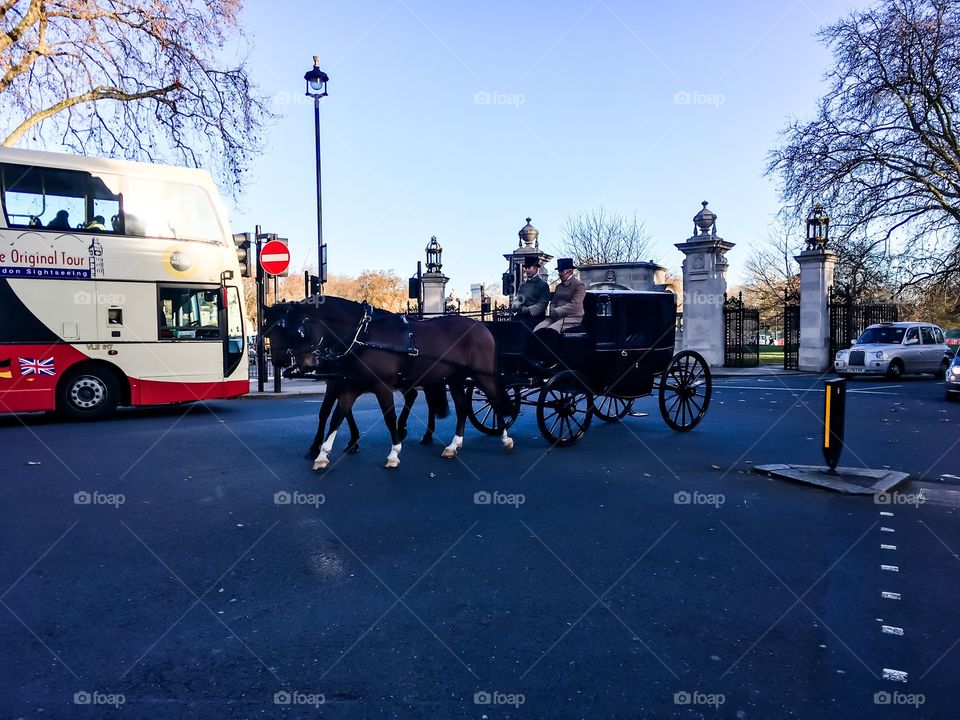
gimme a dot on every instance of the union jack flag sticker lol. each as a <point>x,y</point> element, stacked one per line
<point>33,366</point>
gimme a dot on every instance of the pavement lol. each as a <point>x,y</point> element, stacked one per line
<point>318,387</point>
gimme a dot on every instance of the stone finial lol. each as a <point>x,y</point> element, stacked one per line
<point>528,235</point>
<point>705,220</point>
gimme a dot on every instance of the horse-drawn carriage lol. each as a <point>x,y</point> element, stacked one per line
<point>625,343</point>
<point>623,347</point>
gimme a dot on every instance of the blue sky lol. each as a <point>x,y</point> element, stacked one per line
<point>460,119</point>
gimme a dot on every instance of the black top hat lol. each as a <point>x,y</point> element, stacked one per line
<point>531,261</point>
<point>564,264</point>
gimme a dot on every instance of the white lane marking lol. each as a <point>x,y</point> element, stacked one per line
<point>887,547</point>
<point>891,630</point>
<point>896,675</point>
<point>866,391</point>
<point>889,595</point>
<point>886,514</point>
<point>950,477</point>
<point>890,568</point>
<point>886,529</point>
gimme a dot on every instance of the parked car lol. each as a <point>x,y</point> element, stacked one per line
<point>953,337</point>
<point>953,378</point>
<point>893,349</point>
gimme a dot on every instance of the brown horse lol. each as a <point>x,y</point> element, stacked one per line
<point>381,352</point>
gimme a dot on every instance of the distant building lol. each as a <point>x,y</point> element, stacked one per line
<point>624,276</point>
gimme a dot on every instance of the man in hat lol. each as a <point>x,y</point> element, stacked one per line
<point>566,310</point>
<point>529,305</point>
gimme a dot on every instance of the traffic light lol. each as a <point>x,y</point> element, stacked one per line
<point>245,254</point>
<point>413,288</point>
<point>507,282</point>
<point>314,286</point>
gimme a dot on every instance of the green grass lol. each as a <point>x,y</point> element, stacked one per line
<point>771,355</point>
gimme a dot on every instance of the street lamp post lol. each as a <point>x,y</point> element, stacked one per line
<point>317,81</point>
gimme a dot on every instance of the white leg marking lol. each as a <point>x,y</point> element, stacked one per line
<point>322,460</point>
<point>450,451</point>
<point>393,459</point>
<point>507,441</point>
<point>328,443</point>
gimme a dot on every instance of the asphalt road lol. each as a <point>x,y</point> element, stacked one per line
<point>207,572</point>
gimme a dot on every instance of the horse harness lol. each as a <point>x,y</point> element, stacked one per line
<point>409,352</point>
<point>361,340</point>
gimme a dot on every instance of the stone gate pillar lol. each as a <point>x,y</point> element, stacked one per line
<point>433,283</point>
<point>528,245</point>
<point>816,278</point>
<point>704,287</point>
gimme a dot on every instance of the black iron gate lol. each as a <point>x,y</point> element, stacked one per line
<point>741,334</point>
<point>847,320</point>
<point>791,337</point>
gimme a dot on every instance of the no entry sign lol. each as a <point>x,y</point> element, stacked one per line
<point>274,258</point>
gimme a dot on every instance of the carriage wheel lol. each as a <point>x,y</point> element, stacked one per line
<point>481,413</point>
<point>611,409</point>
<point>564,409</point>
<point>685,391</point>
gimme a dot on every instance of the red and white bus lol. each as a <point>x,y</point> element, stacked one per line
<point>119,285</point>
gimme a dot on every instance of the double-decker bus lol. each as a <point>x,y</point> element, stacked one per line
<point>119,285</point>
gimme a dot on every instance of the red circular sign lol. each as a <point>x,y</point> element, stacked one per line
<point>274,258</point>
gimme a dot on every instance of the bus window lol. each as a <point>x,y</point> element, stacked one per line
<point>57,199</point>
<point>189,313</point>
<point>154,208</point>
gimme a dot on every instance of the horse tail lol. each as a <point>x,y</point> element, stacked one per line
<point>437,400</point>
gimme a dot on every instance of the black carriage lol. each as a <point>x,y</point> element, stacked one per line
<point>622,351</point>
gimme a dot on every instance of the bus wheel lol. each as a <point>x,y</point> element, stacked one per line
<point>88,393</point>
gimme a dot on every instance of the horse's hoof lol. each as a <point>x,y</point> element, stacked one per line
<point>392,463</point>
<point>448,453</point>
<point>353,448</point>
<point>321,465</point>
<point>427,439</point>
<point>508,446</point>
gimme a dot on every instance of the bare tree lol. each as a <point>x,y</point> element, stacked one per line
<point>883,151</point>
<point>772,273</point>
<point>599,236</point>
<point>135,79</point>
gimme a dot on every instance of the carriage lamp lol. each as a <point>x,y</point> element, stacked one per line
<point>434,251</point>
<point>818,228</point>
<point>317,88</point>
